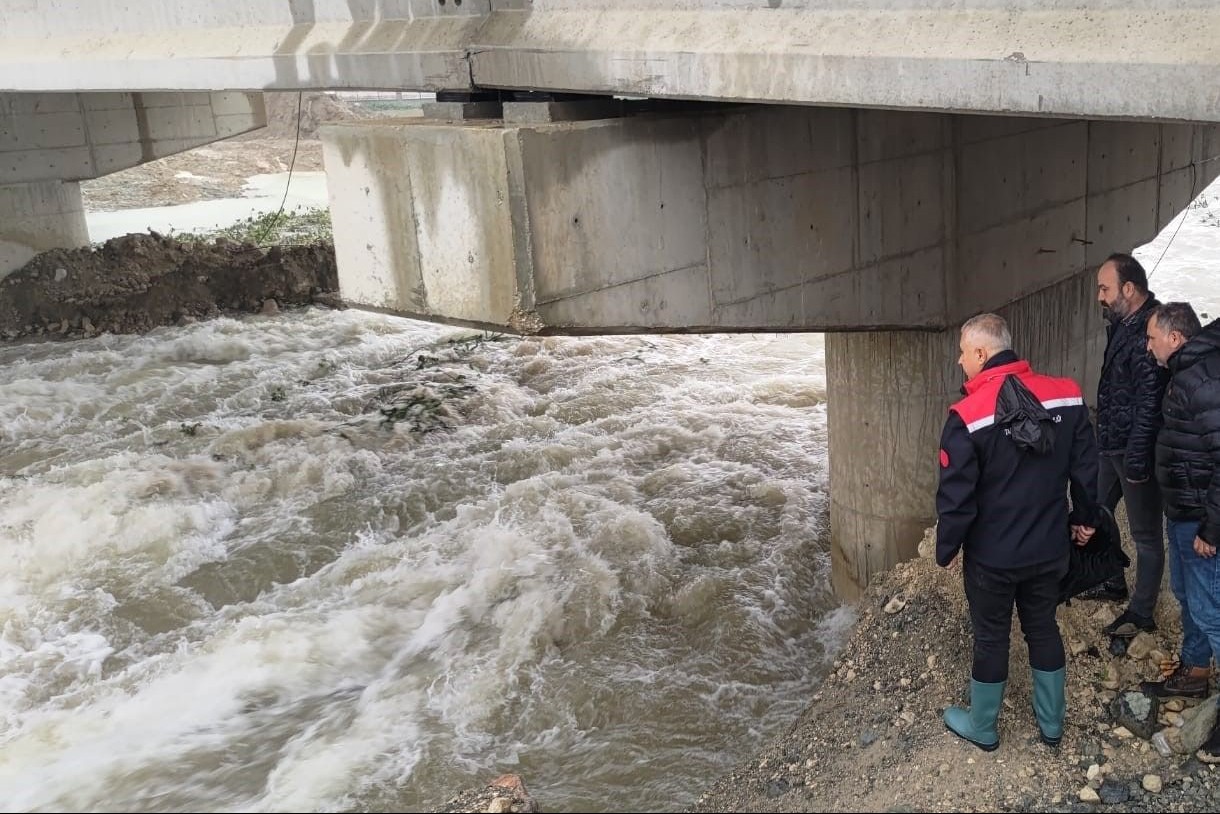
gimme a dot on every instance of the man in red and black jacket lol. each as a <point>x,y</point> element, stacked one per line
<point>1009,451</point>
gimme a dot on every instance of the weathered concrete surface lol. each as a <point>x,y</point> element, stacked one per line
<point>39,216</point>
<point>74,136</point>
<point>1143,59</point>
<point>418,229</point>
<point>235,45</point>
<point>1105,58</point>
<point>758,218</point>
<point>888,395</point>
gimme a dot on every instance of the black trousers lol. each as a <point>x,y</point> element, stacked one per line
<point>992,593</point>
<point>1147,526</point>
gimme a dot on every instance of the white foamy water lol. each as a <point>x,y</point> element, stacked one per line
<point>334,560</point>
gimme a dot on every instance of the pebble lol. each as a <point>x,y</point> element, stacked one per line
<point>1087,795</point>
<point>1151,782</point>
<point>1113,793</point>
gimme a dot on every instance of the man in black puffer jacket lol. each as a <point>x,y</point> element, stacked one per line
<point>1188,469</point>
<point>1128,417</point>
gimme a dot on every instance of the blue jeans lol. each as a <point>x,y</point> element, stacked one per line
<point>1195,582</point>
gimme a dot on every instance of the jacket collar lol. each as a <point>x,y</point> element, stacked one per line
<point>997,367</point>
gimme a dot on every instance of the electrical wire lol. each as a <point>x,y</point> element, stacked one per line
<point>291,165</point>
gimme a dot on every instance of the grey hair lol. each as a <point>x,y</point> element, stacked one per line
<point>992,329</point>
<point>1177,316</point>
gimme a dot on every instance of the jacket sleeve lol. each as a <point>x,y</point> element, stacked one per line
<point>1082,471</point>
<point>1209,417</point>
<point>1146,420</point>
<point>956,497</point>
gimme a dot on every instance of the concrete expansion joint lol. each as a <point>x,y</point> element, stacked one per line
<point>468,58</point>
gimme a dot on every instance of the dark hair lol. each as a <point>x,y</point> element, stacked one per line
<point>1129,271</point>
<point>1177,316</point>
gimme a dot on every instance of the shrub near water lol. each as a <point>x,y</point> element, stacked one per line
<point>292,228</point>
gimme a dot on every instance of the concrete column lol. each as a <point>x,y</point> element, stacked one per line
<point>36,217</point>
<point>888,393</point>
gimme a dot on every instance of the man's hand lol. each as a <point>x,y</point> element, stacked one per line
<point>1082,534</point>
<point>1204,549</point>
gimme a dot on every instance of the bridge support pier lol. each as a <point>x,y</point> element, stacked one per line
<point>38,216</point>
<point>888,394</point>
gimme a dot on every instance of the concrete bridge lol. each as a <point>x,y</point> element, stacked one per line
<point>876,169</point>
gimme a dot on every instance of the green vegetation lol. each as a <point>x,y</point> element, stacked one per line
<point>288,228</point>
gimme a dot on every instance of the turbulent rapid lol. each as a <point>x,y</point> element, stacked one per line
<point>341,561</point>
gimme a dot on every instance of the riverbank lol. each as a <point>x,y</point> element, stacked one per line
<point>872,738</point>
<point>134,283</point>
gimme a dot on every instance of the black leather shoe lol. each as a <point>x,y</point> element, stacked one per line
<point>1128,625</point>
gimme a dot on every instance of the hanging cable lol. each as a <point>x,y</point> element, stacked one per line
<point>1194,179</point>
<point>291,165</point>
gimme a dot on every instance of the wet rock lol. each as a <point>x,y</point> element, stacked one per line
<point>778,787</point>
<point>1135,712</point>
<point>329,299</point>
<point>1113,792</point>
<point>1198,726</point>
<point>506,793</point>
<point>1141,646</point>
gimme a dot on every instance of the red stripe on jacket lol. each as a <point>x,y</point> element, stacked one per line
<point>977,409</point>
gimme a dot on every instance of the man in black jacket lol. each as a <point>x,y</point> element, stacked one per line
<point>1128,417</point>
<point>1188,469</point>
<point>1008,452</point>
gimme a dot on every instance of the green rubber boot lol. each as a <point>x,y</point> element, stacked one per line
<point>978,724</point>
<point>1049,703</point>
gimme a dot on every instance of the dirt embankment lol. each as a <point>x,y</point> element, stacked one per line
<point>873,739</point>
<point>138,282</point>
